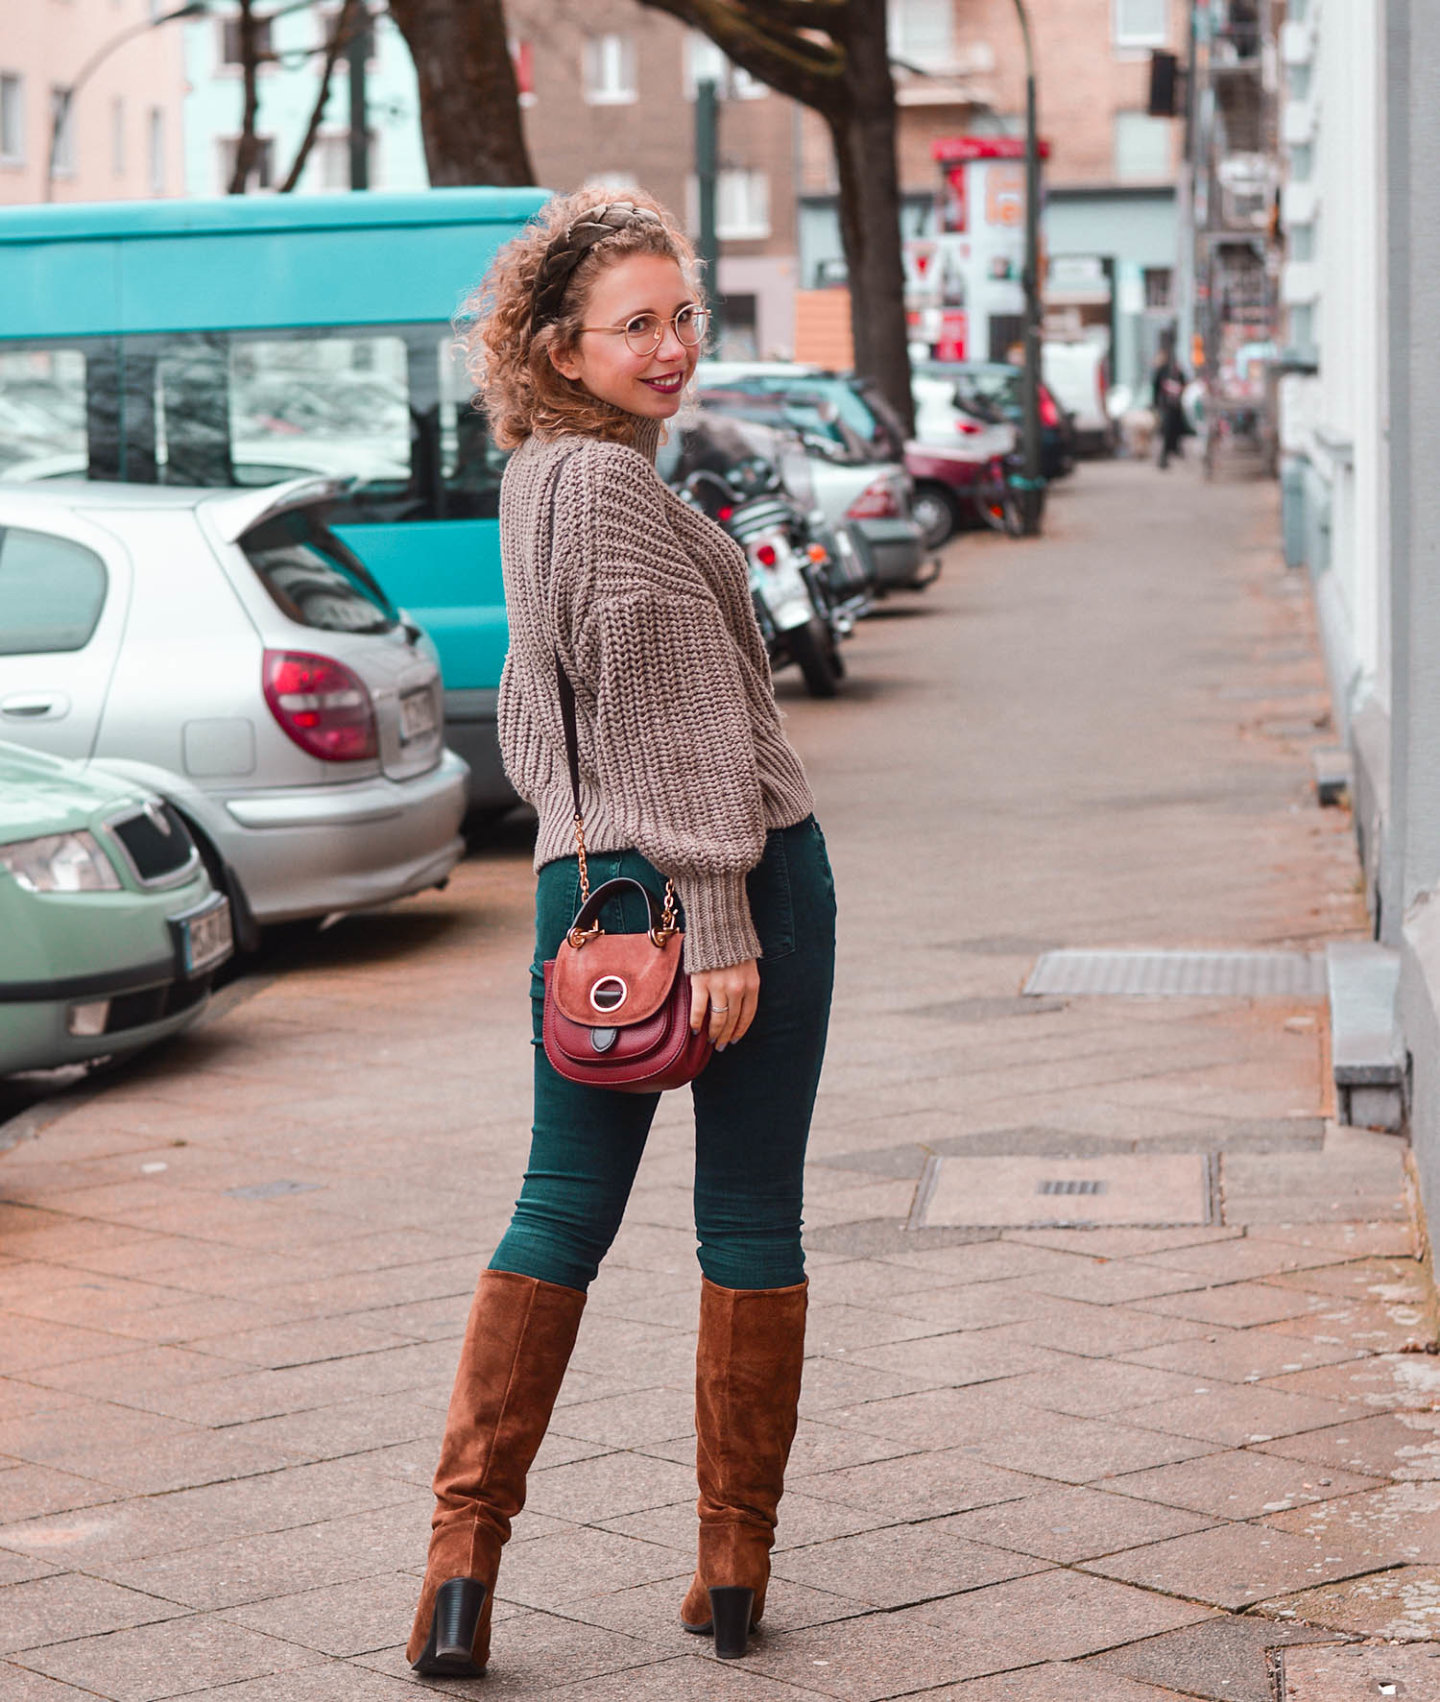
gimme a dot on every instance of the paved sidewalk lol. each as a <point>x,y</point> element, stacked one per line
<point>1034,1465</point>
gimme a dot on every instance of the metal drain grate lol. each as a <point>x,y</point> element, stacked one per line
<point>1149,1189</point>
<point>1181,974</point>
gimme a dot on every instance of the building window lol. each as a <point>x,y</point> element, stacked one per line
<point>155,148</point>
<point>1142,148</point>
<point>12,118</point>
<point>117,136</point>
<point>742,205</point>
<point>705,63</point>
<point>1141,23</point>
<point>609,70</point>
<point>329,163</point>
<point>62,142</point>
<point>1159,288</point>
<point>262,173</point>
<point>922,33</point>
<point>230,40</point>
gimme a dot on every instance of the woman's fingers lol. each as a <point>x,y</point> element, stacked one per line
<point>723,1001</point>
<point>699,1003</point>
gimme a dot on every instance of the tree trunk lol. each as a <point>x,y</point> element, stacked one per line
<point>862,132</point>
<point>469,101</point>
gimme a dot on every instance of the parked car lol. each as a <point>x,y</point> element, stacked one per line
<point>1077,372</point>
<point>842,428</point>
<point>110,926</point>
<point>224,649</point>
<point>994,390</point>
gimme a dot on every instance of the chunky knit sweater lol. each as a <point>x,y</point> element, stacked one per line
<point>682,756</point>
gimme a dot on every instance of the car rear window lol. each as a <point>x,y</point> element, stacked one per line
<point>51,592</point>
<point>313,578</point>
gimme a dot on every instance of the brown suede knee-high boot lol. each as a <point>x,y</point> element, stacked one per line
<point>747,1388</point>
<point>517,1345</point>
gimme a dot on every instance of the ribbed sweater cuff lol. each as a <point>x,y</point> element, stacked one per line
<point>718,928</point>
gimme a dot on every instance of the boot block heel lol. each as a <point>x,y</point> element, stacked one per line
<point>450,1650</point>
<point>730,1608</point>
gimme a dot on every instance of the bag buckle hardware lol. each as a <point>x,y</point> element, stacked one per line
<point>581,937</point>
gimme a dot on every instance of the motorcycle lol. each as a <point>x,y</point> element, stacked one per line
<point>807,588</point>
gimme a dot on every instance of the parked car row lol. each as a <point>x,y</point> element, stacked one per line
<point>215,716</point>
<point>225,722</point>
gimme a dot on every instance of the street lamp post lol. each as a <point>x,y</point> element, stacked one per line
<point>1033,483</point>
<point>64,103</point>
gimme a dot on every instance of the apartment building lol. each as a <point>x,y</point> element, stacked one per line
<point>91,94</point>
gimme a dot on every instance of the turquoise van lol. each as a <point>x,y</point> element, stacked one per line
<point>246,340</point>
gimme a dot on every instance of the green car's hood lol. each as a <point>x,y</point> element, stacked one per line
<point>42,794</point>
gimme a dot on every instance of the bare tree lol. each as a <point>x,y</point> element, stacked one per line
<point>469,99</point>
<point>349,18</point>
<point>832,56</point>
<point>250,31</point>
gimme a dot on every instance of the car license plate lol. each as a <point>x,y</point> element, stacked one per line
<point>206,937</point>
<point>417,714</point>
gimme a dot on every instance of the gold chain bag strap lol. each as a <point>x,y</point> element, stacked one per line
<point>617,1006</point>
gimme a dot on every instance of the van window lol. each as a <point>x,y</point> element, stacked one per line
<point>313,578</point>
<point>51,593</point>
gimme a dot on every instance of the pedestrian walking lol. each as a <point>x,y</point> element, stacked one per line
<point>1168,390</point>
<point>637,715</point>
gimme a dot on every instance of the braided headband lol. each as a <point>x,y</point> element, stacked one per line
<point>570,246</point>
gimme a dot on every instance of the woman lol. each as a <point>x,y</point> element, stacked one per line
<point>588,331</point>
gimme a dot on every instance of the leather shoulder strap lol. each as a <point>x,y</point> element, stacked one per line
<point>562,680</point>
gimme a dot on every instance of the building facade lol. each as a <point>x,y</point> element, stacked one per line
<point>1360,432</point>
<point>91,99</point>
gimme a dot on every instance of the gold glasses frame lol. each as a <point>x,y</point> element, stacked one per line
<point>647,345</point>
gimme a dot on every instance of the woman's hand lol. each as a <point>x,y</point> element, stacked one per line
<point>726,999</point>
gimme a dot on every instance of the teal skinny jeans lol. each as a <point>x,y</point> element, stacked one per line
<point>753,1101</point>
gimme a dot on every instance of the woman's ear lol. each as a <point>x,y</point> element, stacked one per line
<point>562,358</point>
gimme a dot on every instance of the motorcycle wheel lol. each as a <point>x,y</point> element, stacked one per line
<point>814,652</point>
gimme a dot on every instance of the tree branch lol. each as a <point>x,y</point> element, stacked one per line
<point>345,21</point>
<point>247,148</point>
<point>807,70</point>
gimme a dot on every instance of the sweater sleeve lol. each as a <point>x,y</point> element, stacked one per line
<point>672,750</point>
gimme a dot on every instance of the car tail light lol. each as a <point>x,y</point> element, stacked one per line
<point>1049,413</point>
<point>765,553</point>
<point>724,514</point>
<point>968,427</point>
<point>876,502</point>
<point>321,704</point>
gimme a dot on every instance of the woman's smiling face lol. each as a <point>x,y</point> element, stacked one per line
<point>602,360</point>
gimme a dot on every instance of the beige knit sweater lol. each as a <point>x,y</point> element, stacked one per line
<point>681,750</point>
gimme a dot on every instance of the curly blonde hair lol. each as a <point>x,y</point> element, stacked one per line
<point>522,392</point>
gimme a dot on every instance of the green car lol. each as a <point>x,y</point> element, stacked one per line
<point>110,931</point>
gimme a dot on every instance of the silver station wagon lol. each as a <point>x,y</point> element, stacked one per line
<point>225,649</point>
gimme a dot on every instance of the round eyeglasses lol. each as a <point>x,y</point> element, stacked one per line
<point>645,332</point>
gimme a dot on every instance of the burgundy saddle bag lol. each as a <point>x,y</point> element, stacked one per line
<point>617,1006</point>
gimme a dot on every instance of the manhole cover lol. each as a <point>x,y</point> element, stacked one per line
<point>1181,974</point>
<point>1150,1189</point>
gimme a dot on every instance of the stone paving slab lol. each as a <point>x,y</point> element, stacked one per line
<point>233,1276</point>
<point>1356,1674</point>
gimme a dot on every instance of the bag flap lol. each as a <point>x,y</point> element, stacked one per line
<point>615,979</point>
